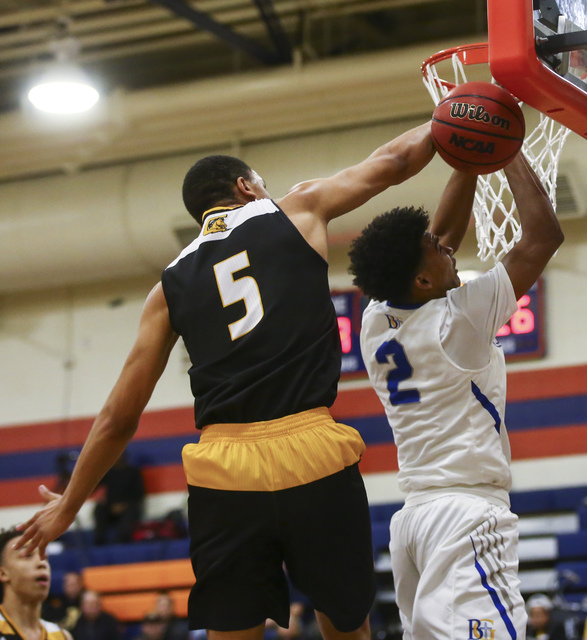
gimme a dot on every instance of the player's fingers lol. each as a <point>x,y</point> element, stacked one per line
<point>22,542</point>
<point>27,529</point>
<point>42,545</point>
<point>35,542</point>
<point>47,495</point>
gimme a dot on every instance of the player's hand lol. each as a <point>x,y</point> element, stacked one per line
<point>46,525</point>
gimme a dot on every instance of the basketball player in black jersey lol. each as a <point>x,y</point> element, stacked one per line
<point>24,586</point>
<point>273,480</point>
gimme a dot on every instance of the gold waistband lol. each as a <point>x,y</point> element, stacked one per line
<point>267,430</point>
<point>272,455</point>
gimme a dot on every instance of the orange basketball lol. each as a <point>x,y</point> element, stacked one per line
<point>478,127</point>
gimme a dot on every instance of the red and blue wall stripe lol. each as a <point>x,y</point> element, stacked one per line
<point>546,417</point>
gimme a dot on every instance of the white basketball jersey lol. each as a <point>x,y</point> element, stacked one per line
<point>441,377</point>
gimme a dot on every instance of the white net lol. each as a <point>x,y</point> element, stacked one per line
<point>494,210</point>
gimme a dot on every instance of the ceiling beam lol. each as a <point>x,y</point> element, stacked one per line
<point>204,21</point>
<point>275,28</point>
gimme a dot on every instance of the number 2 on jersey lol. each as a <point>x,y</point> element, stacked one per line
<point>232,290</point>
<point>403,371</point>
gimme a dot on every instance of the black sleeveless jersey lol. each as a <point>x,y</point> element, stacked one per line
<point>250,297</point>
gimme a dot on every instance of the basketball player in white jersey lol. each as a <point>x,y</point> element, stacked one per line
<point>430,350</point>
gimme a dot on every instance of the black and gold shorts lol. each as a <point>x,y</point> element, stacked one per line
<point>268,494</point>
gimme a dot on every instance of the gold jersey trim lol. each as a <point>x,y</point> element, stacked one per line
<point>271,455</point>
<point>213,209</point>
<point>9,629</point>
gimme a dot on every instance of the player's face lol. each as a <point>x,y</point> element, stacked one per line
<point>439,265</point>
<point>258,185</point>
<point>26,575</point>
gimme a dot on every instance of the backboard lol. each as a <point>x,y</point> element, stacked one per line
<point>538,51</point>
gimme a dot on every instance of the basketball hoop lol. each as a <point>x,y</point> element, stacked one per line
<point>496,226</point>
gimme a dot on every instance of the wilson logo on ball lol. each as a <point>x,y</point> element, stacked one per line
<point>477,113</point>
<point>468,144</point>
<point>478,127</point>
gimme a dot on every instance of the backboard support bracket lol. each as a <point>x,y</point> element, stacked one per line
<point>541,81</point>
<point>561,42</point>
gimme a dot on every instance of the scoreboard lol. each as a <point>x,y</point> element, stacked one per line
<point>522,337</point>
<point>349,307</point>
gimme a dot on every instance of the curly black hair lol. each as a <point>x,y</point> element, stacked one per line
<point>211,181</point>
<point>385,257</point>
<point>6,535</point>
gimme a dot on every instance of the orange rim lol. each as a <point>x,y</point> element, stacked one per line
<point>468,54</point>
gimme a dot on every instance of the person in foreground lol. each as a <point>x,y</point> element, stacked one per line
<point>24,586</point>
<point>429,347</point>
<point>273,479</point>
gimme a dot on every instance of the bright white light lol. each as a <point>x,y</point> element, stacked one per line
<point>63,97</point>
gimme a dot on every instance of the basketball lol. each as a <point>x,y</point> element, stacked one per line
<point>478,127</point>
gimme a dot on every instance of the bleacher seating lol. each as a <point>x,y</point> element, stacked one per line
<point>380,517</point>
<point>380,533</point>
<point>553,539</point>
<point>128,575</point>
<point>151,551</point>
<point>76,558</point>
<point>129,590</point>
<point>548,500</point>
<point>552,551</point>
<point>572,545</point>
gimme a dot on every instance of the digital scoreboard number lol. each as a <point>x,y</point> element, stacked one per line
<point>522,337</point>
<point>349,307</point>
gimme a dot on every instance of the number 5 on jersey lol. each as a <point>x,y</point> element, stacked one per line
<point>235,289</point>
<point>403,371</point>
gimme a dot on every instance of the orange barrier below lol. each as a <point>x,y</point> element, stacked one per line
<point>139,576</point>
<point>132,607</point>
<point>129,591</point>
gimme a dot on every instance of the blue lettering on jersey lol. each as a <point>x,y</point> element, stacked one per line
<point>403,371</point>
<point>394,323</point>
<point>481,629</point>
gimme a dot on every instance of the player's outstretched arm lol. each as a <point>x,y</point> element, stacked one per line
<point>541,232</point>
<point>113,428</point>
<point>390,164</point>
<point>454,209</point>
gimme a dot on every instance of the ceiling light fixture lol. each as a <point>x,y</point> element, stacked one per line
<point>63,96</point>
<point>65,88</point>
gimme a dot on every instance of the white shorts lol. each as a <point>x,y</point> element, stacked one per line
<point>455,570</point>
